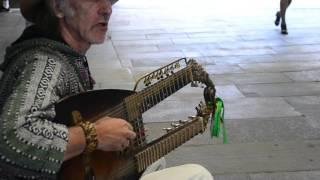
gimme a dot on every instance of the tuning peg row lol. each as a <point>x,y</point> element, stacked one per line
<point>192,117</point>
<point>194,84</point>
<point>175,125</point>
<point>178,124</point>
<point>183,121</point>
<point>167,129</point>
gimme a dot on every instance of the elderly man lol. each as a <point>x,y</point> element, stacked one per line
<point>281,15</point>
<point>45,64</point>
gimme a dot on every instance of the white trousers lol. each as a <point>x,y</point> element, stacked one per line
<point>5,4</point>
<point>157,171</point>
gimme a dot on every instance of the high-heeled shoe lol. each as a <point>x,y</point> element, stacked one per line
<point>3,9</point>
<point>277,21</point>
<point>284,29</point>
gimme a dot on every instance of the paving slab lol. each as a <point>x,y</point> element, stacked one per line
<point>115,85</point>
<point>128,33</point>
<point>301,175</point>
<point>232,177</point>
<point>296,49</point>
<point>251,107</point>
<point>251,157</point>
<point>250,59</point>
<point>271,129</point>
<point>102,52</point>
<point>281,89</point>
<point>182,104</point>
<point>280,66</point>
<point>146,55</point>
<point>249,131</point>
<point>312,75</point>
<point>224,69</point>
<point>303,101</point>
<point>228,92</point>
<point>137,49</point>
<point>151,62</point>
<point>301,41</point>
<point>297,57</point>
<point>171,110</point>
<point>250,78</point>
<point>190,41</point>
<point>312,114</point>
<point>142,42</point>
<point>120,74</point>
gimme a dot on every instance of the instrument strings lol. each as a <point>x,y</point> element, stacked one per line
<point>149,159</point>
<point>118,110</point>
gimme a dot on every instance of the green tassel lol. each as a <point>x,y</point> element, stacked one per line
<point>217,120</point>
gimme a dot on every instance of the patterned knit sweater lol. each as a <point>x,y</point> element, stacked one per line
<point>36,74</point>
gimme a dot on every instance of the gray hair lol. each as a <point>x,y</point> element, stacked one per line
<point>64,6</point>
<point>49,18</point>
<point>46,17</point>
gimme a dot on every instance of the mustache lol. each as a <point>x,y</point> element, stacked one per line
<point>106,17</point>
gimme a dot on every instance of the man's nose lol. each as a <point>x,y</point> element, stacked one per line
<point>106,7</point>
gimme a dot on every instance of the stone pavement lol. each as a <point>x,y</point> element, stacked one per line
<point>269,82</point>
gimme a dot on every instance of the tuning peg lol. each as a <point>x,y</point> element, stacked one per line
<point>194,84</point>
<point>183,121</point>
<point>167,129</point>
<point>197,109</point>
<point>175,125</point>
<point>171,68</point>
<point>200,105</point>
<point>147,82</point>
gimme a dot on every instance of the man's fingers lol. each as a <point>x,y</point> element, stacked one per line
<point>129,126</point>
<point>131,135</point>
<point>125,144</point>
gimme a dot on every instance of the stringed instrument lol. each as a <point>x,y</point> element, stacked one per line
<point>130,105</point>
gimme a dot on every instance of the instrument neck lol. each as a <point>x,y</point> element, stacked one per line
<point>165,144</point>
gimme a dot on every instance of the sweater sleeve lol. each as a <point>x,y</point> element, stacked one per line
<point>30,141</point>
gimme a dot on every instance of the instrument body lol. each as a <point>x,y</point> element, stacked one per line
<point>105,164</point>
<point>129,105</point>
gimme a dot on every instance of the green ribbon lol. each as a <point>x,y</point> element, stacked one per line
<point>217,120</point>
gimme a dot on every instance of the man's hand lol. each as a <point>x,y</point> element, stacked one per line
<point>113,134</point>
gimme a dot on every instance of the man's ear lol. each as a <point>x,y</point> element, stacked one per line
<point>57,9</point>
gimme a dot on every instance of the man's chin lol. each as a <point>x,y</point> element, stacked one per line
<point>99,40</point>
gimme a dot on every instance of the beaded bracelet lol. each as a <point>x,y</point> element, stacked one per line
<point>90,135</point>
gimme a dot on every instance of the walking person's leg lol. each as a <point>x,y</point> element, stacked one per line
<point>281,15</point>
<point>284,4</point>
